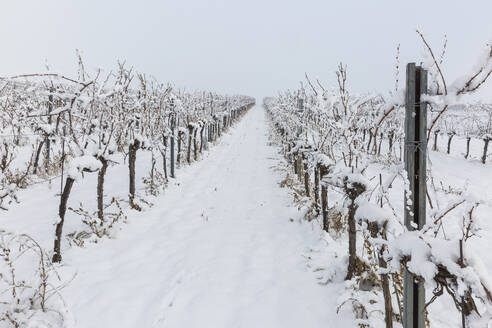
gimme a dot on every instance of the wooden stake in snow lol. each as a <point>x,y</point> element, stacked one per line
<point>61,213</point>
<point>486,141</point>
<point>132,158</point>
<point>415,165</point>
<point>173,126</point>
<point>48,142</point>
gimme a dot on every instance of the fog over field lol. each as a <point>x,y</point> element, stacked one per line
<point>253,47</point>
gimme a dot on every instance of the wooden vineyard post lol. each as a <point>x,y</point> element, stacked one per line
<point>486,141</point>
<point>323,171</point>
<point>173,126</point>
<point>415,164</point>
<point>48,141</point>
<point>300,155</point>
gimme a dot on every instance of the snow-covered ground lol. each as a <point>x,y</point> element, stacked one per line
<point>222,247</point>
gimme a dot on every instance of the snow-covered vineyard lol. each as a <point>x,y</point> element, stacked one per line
<point>81,156</point>
<point>128,202</point>
<point>347,158</point>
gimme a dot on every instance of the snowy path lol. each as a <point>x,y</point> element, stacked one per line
<point>216,251</point>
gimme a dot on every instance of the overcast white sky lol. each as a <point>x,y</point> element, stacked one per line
<point>253,47</point>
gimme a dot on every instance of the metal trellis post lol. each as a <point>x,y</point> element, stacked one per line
<point>415,165</point>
